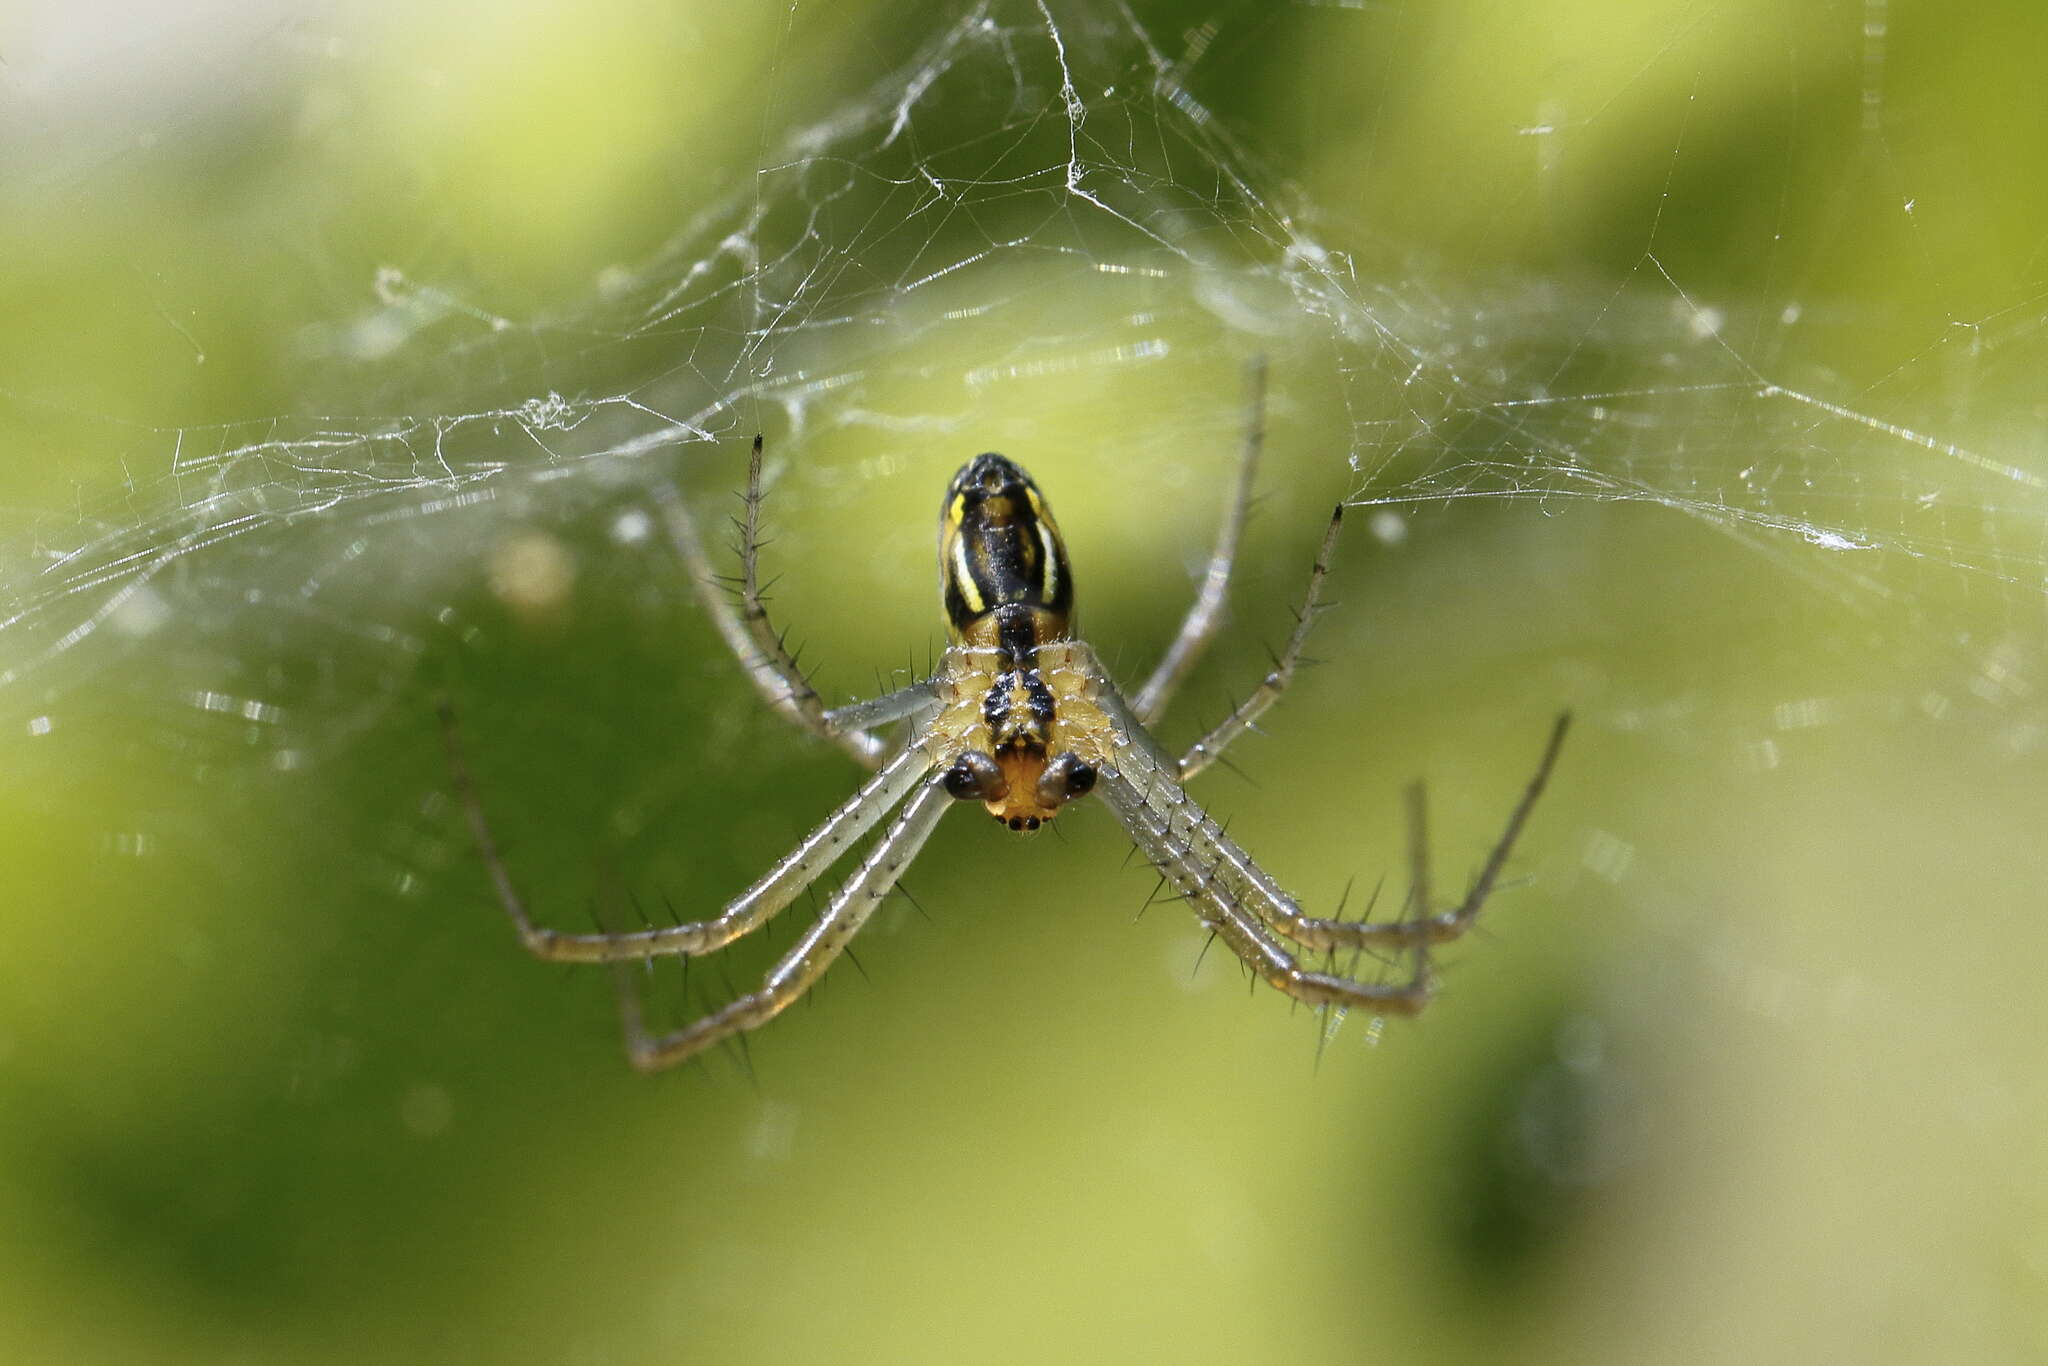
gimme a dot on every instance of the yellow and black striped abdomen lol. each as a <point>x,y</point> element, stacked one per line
<point>1000,549</point>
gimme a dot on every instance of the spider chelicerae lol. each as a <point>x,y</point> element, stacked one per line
<point>1019,716</point>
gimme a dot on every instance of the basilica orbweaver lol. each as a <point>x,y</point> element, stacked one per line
<point>1021,717</point>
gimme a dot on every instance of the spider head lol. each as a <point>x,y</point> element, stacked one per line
<point>1019,786</point>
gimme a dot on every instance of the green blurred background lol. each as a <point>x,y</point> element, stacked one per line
<point>1681,362</point>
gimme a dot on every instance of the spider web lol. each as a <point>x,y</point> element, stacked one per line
<point>1037,205</point>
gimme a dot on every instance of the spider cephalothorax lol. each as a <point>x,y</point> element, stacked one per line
<point>1022,717</point>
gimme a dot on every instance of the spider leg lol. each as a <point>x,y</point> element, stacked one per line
<point>885,710</point>
<point>1210,747</point>
<point>1224,911</point>
<point>1144,777</point>
<point>799,969</point>
<point>747,911</point>
<point>1452,923</point>
<point>1439,926</point>
<point>746,629</point>
<point>1205,615</point>
<point>1182,818</point>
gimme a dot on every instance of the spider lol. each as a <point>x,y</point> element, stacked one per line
<point>1021,717</point>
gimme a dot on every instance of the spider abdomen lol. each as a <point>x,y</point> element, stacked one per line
<point>1002,565</point>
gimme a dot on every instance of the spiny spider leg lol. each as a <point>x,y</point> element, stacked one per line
<point>1221,908</point>
<point>886,709</point>
<point>799,969</point>
<point>1181,818</point>
<point>1206,750</point>
<point>746,629</point>
<point>1205,616</point>
<point>1452,923</point>
<point>1436,926</point>
<point>747,911</point>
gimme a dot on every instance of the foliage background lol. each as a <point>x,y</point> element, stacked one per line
<point>1746,1067</point>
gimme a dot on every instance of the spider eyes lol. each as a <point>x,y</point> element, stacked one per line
<point>975,777</point>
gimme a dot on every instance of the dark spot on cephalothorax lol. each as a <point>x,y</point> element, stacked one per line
<point>975,776</point>
<point>1019,711</point>
<point>1068,776</point>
